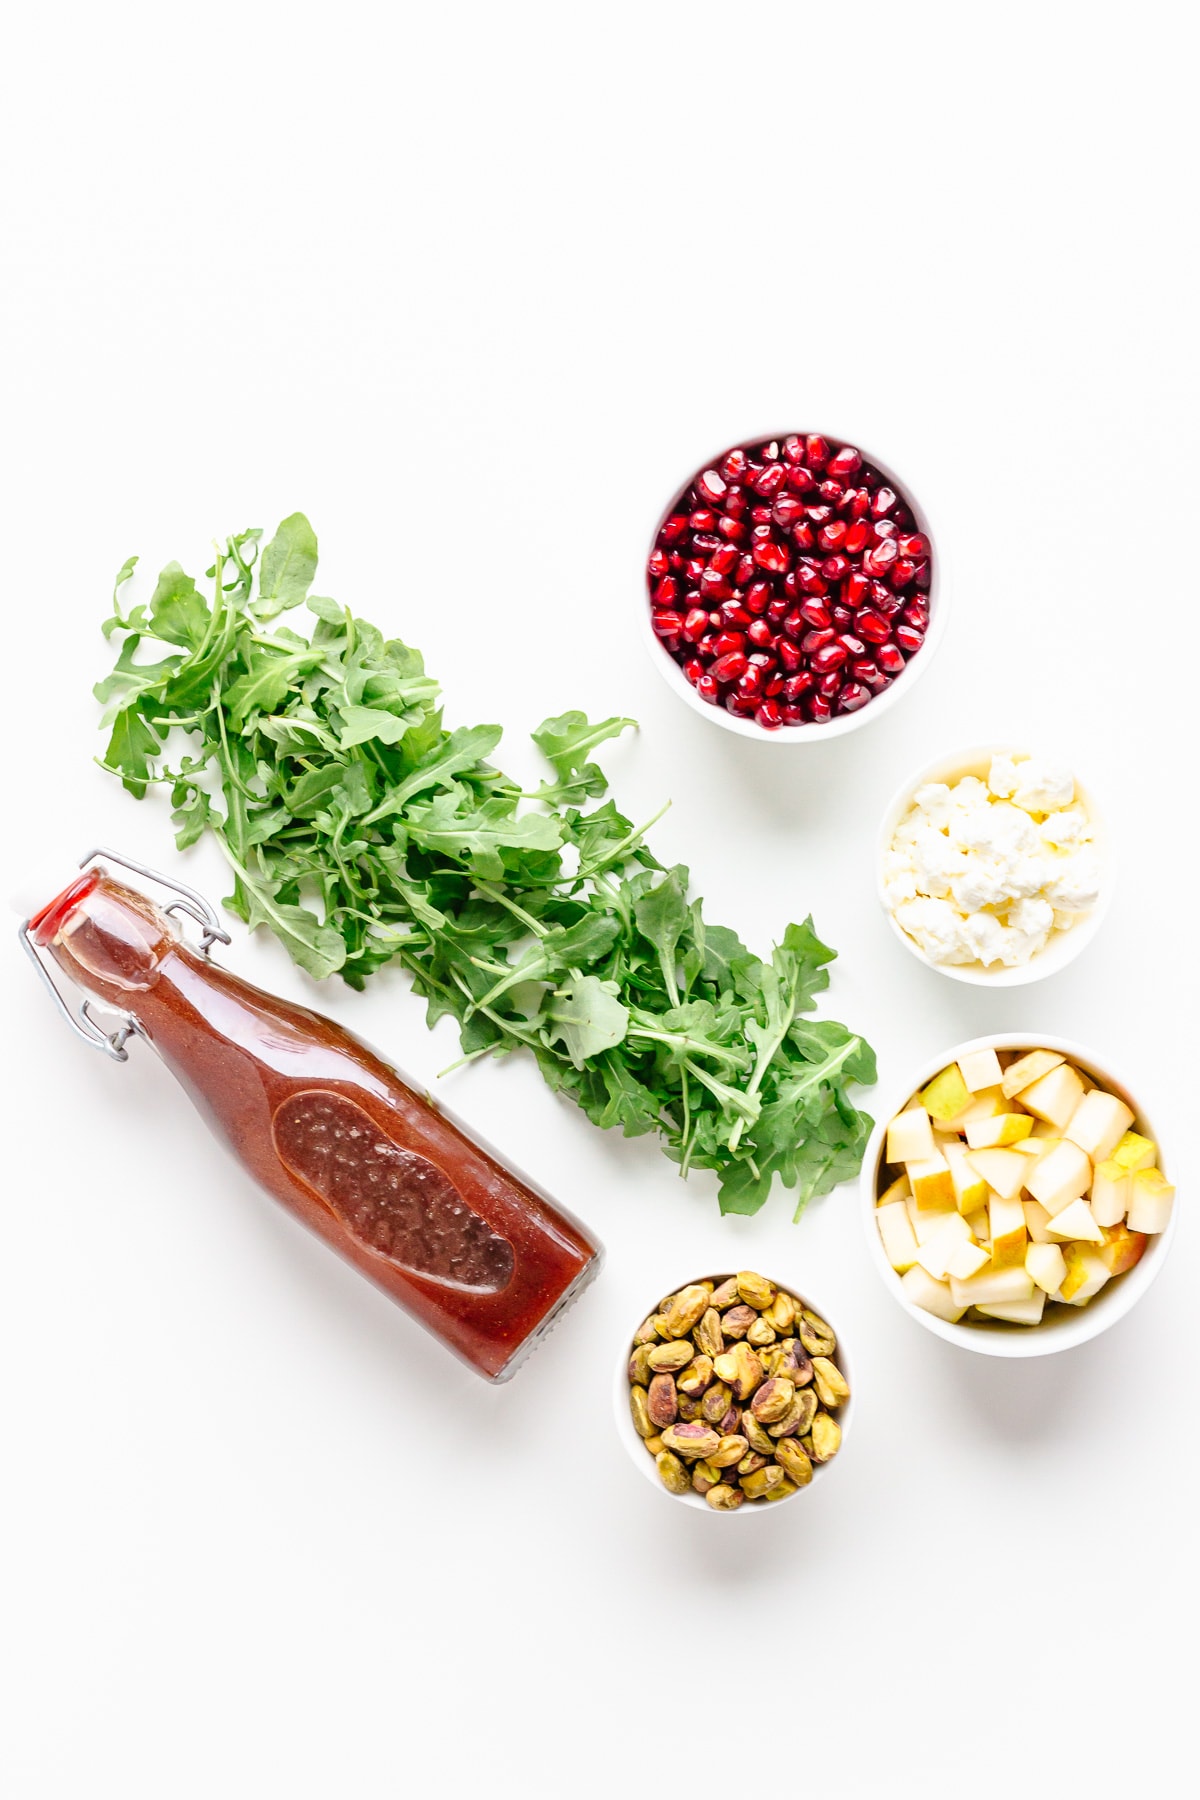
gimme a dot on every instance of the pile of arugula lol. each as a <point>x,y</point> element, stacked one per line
<point>360,831</point>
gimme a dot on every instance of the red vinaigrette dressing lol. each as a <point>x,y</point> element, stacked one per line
<point>471,1250</point>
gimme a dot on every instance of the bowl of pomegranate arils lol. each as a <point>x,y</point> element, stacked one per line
<point>793,589</point>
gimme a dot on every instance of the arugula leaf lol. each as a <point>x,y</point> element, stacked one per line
<point>361,832</point>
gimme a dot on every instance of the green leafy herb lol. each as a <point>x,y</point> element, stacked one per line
<point>361,832</point>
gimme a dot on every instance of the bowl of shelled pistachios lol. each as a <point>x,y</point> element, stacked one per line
<point>732,1393</point>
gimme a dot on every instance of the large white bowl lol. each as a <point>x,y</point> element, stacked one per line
<point>641,1457</point>
<point>1063,1327</point>
<point>1062,947</point>
<point>875,708</point>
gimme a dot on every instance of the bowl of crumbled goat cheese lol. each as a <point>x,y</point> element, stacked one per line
<point>993,866</point>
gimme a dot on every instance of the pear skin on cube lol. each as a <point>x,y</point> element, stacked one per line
<point>947,1094</point>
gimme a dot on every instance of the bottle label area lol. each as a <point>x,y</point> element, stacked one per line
<point>396,1203</point>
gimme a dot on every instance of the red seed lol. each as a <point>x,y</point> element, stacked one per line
<point>809,579</point>
<point>869,625</point>
<point>793,448</point>
<point>861,668</point>
<point>834,567</point>
<point>800,480</point>
<point>773,686</point>
<point>695,625</point>
<point>709,689</point>
<point>902,572</point>
<point>708,645</point>
<point>909,638</point>
<point>818,515</point>
<point>760,634</point>
<point>889,659</point>
<point>769,716</point>
<point>803,535</point>
<point>859,502</point>
<point>826,657</point>
<point>844,462</point>
<point>852,645</point>
<point>921,578</point>
<point>744,571</point>
<point>710,487</point>
<point>771,556</point>
<point>917,613</point>
<point>724,559</point>
<point>740,704</point>
<point>694,669</point>
<point>705,542</point>
<point>736,502</point>
<point>856,538</point>
<point>841,617</point>
<point>885,528</point>
<point>779,609</point>
<point>734,467</point>
<point>730,668</point>
<point>914,546</point>
<point>734,616</point>
<point>816,452</point>
<point>727,642</point>
<point>880,559</point>
<point>757,597</point>
<point>799,685</point>
<point>790,655</point>
<point>769,452</point>
<point>703,520</point>
<point>856,589</point>
<point>817,709</point>
<point>761,516</point>
<point>667,591</point>
<point>750,686</point>
<point>770,479</point>
<point>714,586</point>
<point>672,529</point>
<point>693,570</point>
<point>658,565</point>
<point>831,492</point>
<point>852,696</point>
<point>882,501</point>
<point>814,614</point>
<point>830,536</point>
<point>829,683</point>
<point>794,624</point>
<point>669,624</point>
<point>786,511</point>
<point>733,530</point>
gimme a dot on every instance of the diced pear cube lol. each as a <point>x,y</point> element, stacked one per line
<point>1099,1123</point>
<point>1005,1128</point>
<point>1059,1177</point>
<point>980,1228</point>
<point>926,1220</point>
<point>920,1289</point>
<point>932,1183</point>
<point>1018,1312</point>
<point>1086,1274</point>
<point>1152,1198</point>
<point>1076,1221</point>
<point>910,1136</point>
<point>992,1287</point>
<point>980,1069</point>
<point>1030,1146</point>
<point>1037,1221</point>
<point>935,1253</point>
<point>1028,1069</point>
<point>1044,1132</point>
<point>1110,1193</point>
<point>899,1189</point>
<point>1055,1096</point>
<point>983,1106</point>
<point>966,1260</point>
<point>1009,1237</point>
<point>897,1235</point>
<point>1134,1152</point>
<point>1003,1170</point>
<point>970,1189</point>
<point>1047,1265</point>
<point>1122,1248</point>
<point>946,1095</point>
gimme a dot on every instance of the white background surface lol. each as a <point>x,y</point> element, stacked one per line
<point>475,288</point>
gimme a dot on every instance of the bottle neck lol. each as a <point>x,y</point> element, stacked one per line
<point>109,939</point>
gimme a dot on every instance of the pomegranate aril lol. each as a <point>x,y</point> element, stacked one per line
<point>915,546</point>
<point>693,570</point>
<point>667,591</point>
<point>818,515</point>
<point>921,576</point>
<point>882,501</point>
<point>800,480</point>
<point>710,487</point>
<point>817,709</point>
<point>734,616</point>
<point>890,659</point>
<point>731,667</point>
<point>745,706</point>
<point>852,645</point>
<point>771,556</point>
<point>769,479</point>
<point>779,609</point>
<point>881,558</point>
<point>852,696</point>
<point>869,625</point>
<point>731,529</point>
<point>709,689</point>
<point>835,567</point>
<point>703,520</point>
<point>736,503</point>
<point>902,572</point>
<point>727,642</point>
<point>794,624</point>
<point>793,448</point>
<point>864,670</point>
<point>814,614</point>
<point>745,570</point>
<point>803,535</point>
<point>829,656</point>
<point>857,537</point>
<point>786,510</point>
<point>856,589</point>
<point>829,683</point>
<point>695,625</point>
<point>769,716</point>
<point>694,669</point>
<point>790,655</point>
<point>761,518</point>
<point>750,686</point>
<point>667,624</point>
<point>707,646</point>
<point>859,502</point>
<point>773,685</point>
<point>831,492</point>
<point>734,467</point>
<point>672,529</point>
<point>841,617</point>
<point>810,579</point>
<point>885,528</point>
<point>798,686</point>
<point>792,715</point>
<point>658,565</point>
<point>816,452</point>
<point>917,613</point>
<point>757,597</point>
<point>714,586</point>
<point>724,558</point>
<point>705,542</point>
<point>759,634</point>
<point>812,641</point>
<point>844,462</point>
<point>909,638</point>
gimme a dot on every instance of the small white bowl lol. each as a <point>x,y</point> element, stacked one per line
<point>1063,1327</point>
<point>676,680</point>
<point>1062,947</point>
<point>641,1457</point>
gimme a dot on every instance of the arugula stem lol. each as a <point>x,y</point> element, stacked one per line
<point>518,912</point>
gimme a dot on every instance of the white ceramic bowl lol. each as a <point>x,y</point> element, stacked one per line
<point>1063,1327</point>
<point>1062,947</point>
<point>641,1457</point>
<point>875,708</point>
